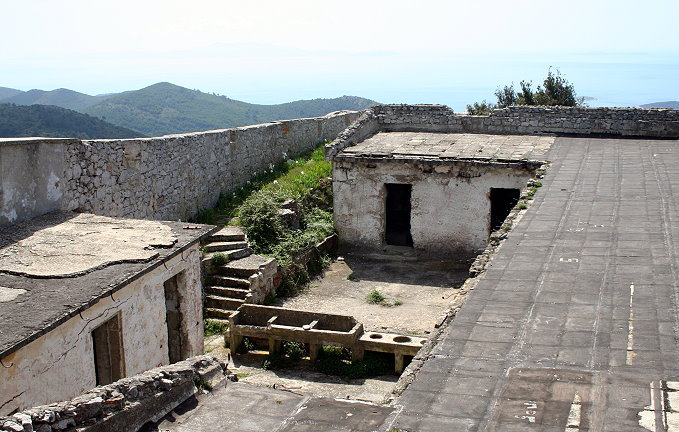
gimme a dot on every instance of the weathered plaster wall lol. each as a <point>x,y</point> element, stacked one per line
<point>60,364</point>
<point>450,213</point>
<point>31,177</point>
<point>164,178</point>
<point>662,123</point>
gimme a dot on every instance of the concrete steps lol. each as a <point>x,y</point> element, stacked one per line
<point>216,313</point>
<point>234,293</point>
<point>231,254</point>
<point>223,303</point>
<point>226,281</point>
<point>228,284</point>
<point>243,268</point>
<point>228,234</point>
<point>226,246</point>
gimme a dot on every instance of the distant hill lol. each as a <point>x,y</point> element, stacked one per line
<point>166,108</point>
<point>668,104</point>
<point>53,121</point>
<point>64,98</point>
<point>6,92</point>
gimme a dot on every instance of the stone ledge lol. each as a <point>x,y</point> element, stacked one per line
<point>126,404</point>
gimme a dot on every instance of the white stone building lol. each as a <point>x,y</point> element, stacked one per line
<point>86,300</point>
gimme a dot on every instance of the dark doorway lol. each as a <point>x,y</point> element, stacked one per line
<point>398,214</point>
<point>501,203</point>
<point>173,317</point>
<point>109,361</point>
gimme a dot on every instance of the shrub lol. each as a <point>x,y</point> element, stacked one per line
<point>293,350</point>
<point>375,296</point>
<point>220,259</point>
<point>259,214</point>
<point>245,346</point>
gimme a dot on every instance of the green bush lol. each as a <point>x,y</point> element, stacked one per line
<point>245,346</point>
<point>220,259</point>
<point>259,214</point>
<point>375,296</point>
<point>293,350</point>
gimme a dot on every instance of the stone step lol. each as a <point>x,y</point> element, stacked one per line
<point>221,314</point>
<point>234,293</point>
<point>245,267</point>
<point>232,254</point>
<point>220,320</point>
<point>225,246</point>
<point>228,234</point>
<point>227,281</point>
<point>225,303</point>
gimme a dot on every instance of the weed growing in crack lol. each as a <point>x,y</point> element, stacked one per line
<point>375,297</point>
<point>220,259</point>
<point>214,327</point>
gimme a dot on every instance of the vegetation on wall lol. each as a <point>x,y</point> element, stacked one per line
<point>257,205</point>
<point>555,90</point>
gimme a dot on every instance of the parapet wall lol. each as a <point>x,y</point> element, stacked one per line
<point>125,405</point>
<point>625,122</point>
<point>167,178</point>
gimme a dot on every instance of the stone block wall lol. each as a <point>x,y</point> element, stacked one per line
<point>166,178</point>
<point>126,404</point>
<point>621,122</point>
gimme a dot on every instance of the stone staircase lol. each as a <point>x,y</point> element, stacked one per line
<point>245,278</point>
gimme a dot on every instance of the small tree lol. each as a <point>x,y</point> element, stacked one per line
<point>556,91</point>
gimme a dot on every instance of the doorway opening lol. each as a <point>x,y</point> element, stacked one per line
<point>109,360</point>
<point>173,317</point>
<point>502,201</point>
<point>398,208</point>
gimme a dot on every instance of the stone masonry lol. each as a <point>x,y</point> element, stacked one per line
<point>163,178</point>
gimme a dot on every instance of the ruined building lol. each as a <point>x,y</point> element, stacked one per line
<point>571,323</point>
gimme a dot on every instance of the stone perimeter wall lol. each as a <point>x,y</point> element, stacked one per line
<point>124,405</point>
<point>627,122</point>
<point>165,178</point>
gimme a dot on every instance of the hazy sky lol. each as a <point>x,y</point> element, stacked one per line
<point>392,51</point>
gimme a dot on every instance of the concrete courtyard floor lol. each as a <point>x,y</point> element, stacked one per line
<point>425,289</point>
<point>573,328</point>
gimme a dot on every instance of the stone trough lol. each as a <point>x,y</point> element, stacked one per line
<point>316,329</point>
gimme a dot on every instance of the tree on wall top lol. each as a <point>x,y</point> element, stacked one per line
<point>555,90</point>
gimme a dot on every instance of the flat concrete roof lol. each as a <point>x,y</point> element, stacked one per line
<point>574,326</point>
<point>446,146</point>
<point>56,266</point>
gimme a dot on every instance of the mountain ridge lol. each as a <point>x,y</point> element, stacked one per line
<point>165,108</point>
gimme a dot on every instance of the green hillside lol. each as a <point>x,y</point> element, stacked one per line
<point>53,121</point>
<point>64,98</point>
<point>166,108</point>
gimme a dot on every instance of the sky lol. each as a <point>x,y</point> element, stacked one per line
<point>452,52</point>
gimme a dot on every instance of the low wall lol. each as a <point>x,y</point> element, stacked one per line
<point>626,122</point>
<point>166,178</point>
<point>125,405</point>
